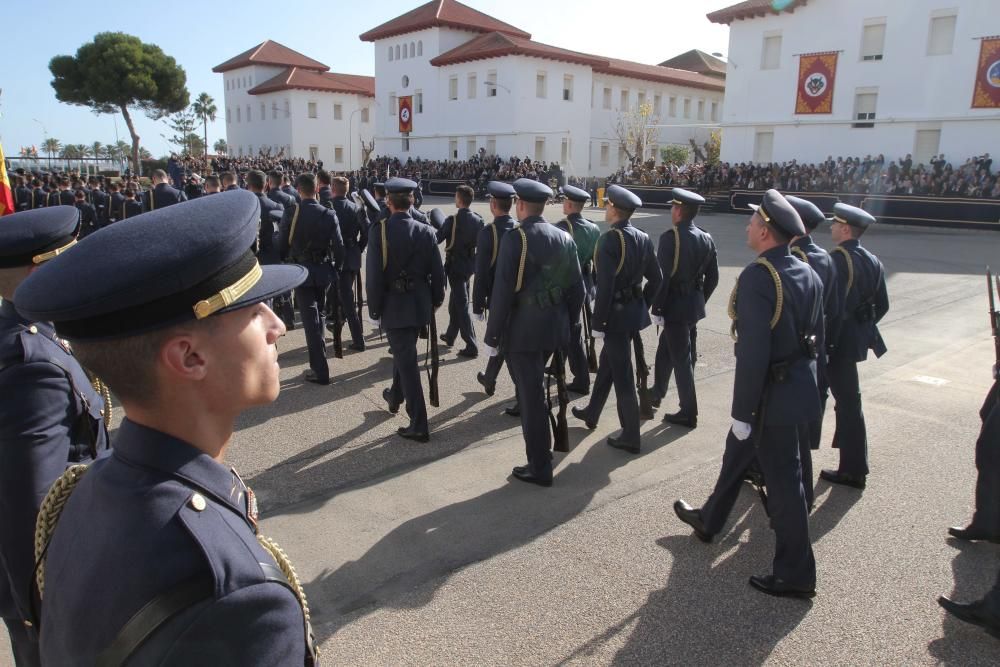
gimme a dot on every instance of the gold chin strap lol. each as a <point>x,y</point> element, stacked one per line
<point>850,266</point>
<point>46,256</point>
<point>225,297</point>
<point>778,303</point>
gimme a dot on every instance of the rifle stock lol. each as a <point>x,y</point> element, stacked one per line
<point>587,332</point>
<point>560,430</point>
<point>435,397</point>
<point>646,409</point>
<point>994,316</point>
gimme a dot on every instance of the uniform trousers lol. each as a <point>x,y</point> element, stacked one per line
<point>614,368</point>
<point>493,365</point>
<point>576,354</point>
<point>778,454</point>
<point>850,436</point>
<point>528,370</point>
<point>459,319</point>
<point>406,376</point>
<point>673,357</point>
<point>23,644</point>
<point>310,298</point>
<point>345,289</point>
<point>987,515</point>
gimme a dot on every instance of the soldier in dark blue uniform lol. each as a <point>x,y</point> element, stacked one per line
<point>985,524</point>
<point>325,192</point>
<point>777,311</point>
<point>115,205</point>
<point>355,236</point>
<point>275,193</point>
<point>623,259</point>
<point>690,266</point>
<point>22,195</point>
<point>537,293</point>
<point>271,212</point>
<point>131,207</point>
<point>404,279</point>
<point>61,196</point>
<point>51,416</point>
<point>227,180</point>
<point>161,517</point>
<point>310,235</point>
<point>162,193</point>
<point>38,195</point>
<point>460,233</point>
<point>286,187</point>
<point>88,216</point>
<point>861,279</point>
<point>819,259</point>
<point>378,189</point>
<point>98,199</point>
<point>487,250</point>
<point>585,234</point>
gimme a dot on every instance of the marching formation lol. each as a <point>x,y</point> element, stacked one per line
<point>185,356</point>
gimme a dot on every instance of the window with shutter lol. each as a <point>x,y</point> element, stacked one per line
<point>873,41</point>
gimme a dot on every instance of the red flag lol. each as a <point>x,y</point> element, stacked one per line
<point>406,114</point>
<point>6,196</point>
<point>817,72</point>
<point>987,92</point>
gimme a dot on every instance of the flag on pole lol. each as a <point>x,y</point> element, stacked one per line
<point>987,91</point>
<point>817,72</point>
<point>6,195</point>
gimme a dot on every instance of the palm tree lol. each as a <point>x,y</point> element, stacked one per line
<point>221,147</point>
<point>51,146</point>
<point>96,152</point>
<point>205,109</point>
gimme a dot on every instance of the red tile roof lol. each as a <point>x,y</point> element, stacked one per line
<point>697,61</point>
<point>271,53</point>
<point>442,13</point>
<point>752,9</point>
<point>494,45</point>
<point>295,78</point>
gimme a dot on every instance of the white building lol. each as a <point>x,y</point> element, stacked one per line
<point>277,99</point>
<point>904,79</point>
<point>479,83</point>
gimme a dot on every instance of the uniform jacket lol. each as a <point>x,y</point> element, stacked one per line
<point>99,199</point>
<point>758,347</point>
<point>520,320</point>
<point>116,201</point>
<point>267,247</point>
<point>291,192</point>
<point>821,262</point>
<point>88,219</point>
<point>487,253</point>
<point>614,311</point>
<point>412,256</point>
<point>858,333</point>
<point>280,196</point>
<point>160,196</point>
<point>316,242</point>
<point>60,198</point>
<point>130,209</point>
<point>39,198</point>
<point>585,233</point>
<point>134,527</point>
<point>682,295</point>
<point>325,195</point>
<point>353,230</point>
<point>459,233</point>
<point>50,418</point>
<point>22,198</point>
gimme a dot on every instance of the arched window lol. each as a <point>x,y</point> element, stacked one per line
<point>397,52</point>
<point>420,48</point>
<point>404,50</point>
<point>413,49</point>
<point>390,54</point>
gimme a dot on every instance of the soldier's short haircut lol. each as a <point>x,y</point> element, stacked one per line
<point>213,180</point>
<point>400,201</point>
<point>255,180</point>
<point>306,183</point>
<point>113,186</point>
<point>323,176</point>
<point>687,212</point>
<point>379,190</point>
<point>340,185</point>
<point>465,194</point>
<point>503,204</point>
<point>274,177</point>
<point>228,178</point>
<point>129,192</point>
<point>158,174</point>
<point>534,207</point>
<point>80,194</point>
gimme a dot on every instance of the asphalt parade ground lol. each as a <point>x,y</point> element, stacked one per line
<point>429,554</point>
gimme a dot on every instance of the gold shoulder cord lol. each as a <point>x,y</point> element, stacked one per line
<point>385,243</point>
<point>677,251</point>
<point>152,203</point>
<point>621,260</point>
<point>287,569</point>
<point>850,268</point>
<point>105,393</point>
<point>778,303</point>
<point>295,221</point>
<point>524,258</point>
<point>496,244</point>
<point>48,517</point>
<point>800,253</point>
<point>454,226</point>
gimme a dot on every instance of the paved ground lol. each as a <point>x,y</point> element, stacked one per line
<point>427,554</point>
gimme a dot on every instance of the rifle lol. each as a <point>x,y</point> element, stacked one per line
<point>587,332</point>
<point>432,376</point>
<point>560,429</point>
<point>338,327</point>
<point>646,409</point>
<point>359,297</point>
<point>994,315</point>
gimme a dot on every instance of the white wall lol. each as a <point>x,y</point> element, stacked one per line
<point>916,91</point>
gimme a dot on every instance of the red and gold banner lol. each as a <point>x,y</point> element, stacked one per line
<point>6,196</point>
<point>987,92</point>
<point>817,72</point>
<point>406,114</point>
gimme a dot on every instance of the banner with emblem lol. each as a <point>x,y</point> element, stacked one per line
<point>817,72</point>
<point>986,94</point>
<point>6,196</point>
<point>406,114</point>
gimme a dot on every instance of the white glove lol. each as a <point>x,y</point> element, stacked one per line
<point>598,335</point>
<point>657,320</point>
<point>480,316</point>
<point>741,430</point>
<point>376,323</point>
<point>490,351</point>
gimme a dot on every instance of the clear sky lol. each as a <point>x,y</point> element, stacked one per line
<point>202,35</point>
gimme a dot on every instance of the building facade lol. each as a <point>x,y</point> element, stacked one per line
<point>904,78</point>
<point>280,102</point>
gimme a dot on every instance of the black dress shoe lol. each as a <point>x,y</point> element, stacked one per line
<point>410,434</point>
<point>618,443</point>
<point>488,386</point>
<point>513,410</point>
<point>357,347</point>
<point>972,534</point>
<point>468,352</point>
<point>692,517</point>
<point>837,477</point>
<point>972,612</point>
<point>393,405</point>
<point>578,388</point>
<point>444,339</point>
<point>772,585</point>
<point>581,414</point>
<point>655,402</point>
<point>682,419</point>
<point>524,474</point>
<point>310,376</point>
